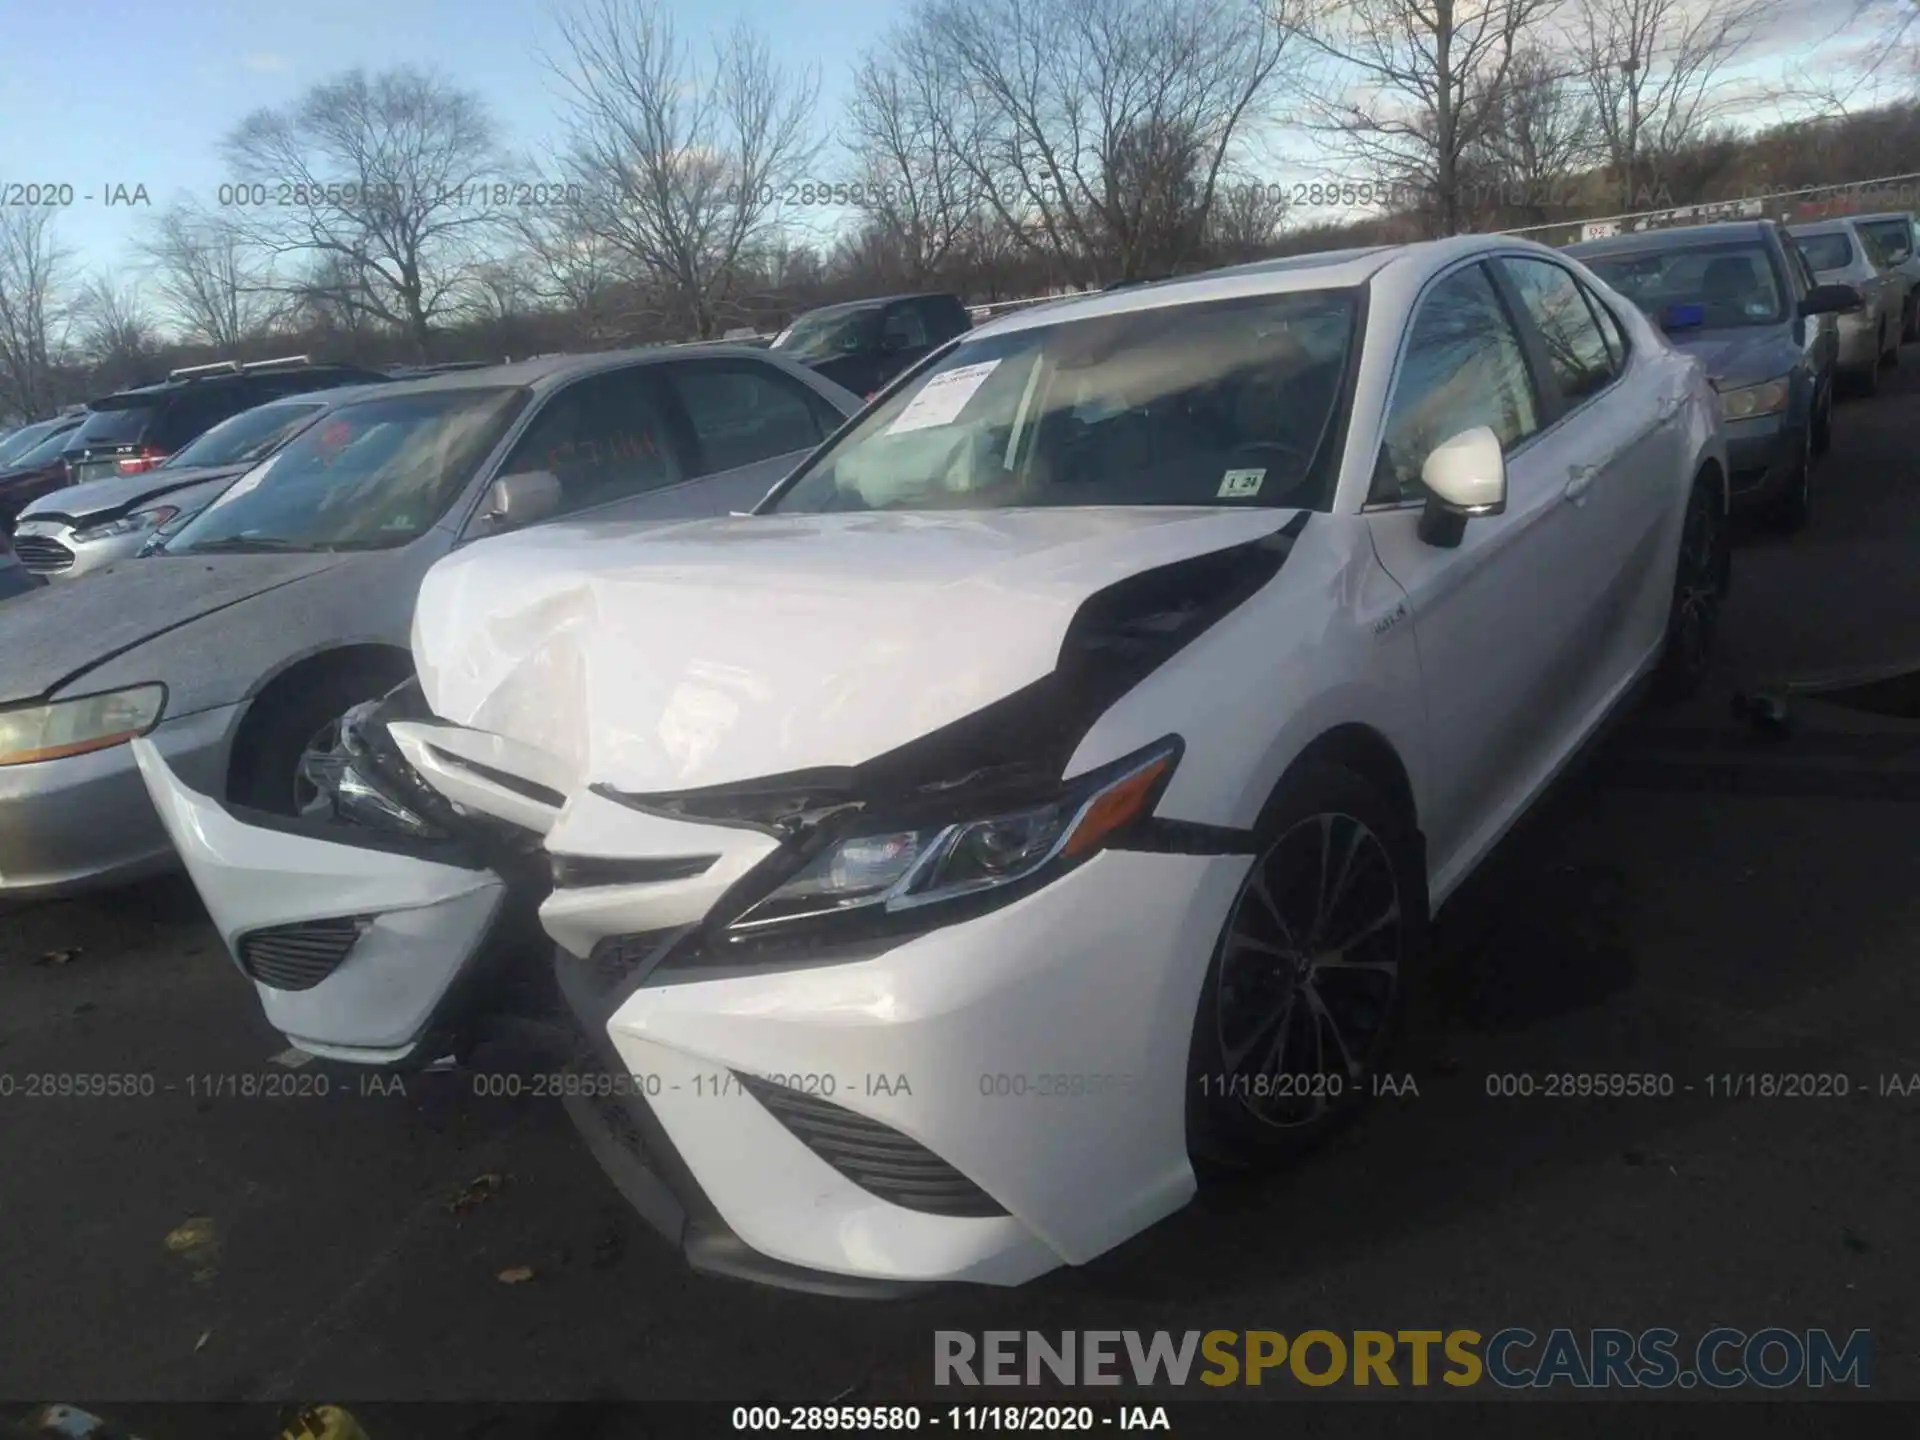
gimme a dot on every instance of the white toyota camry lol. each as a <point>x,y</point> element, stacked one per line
<point>1041,797</point>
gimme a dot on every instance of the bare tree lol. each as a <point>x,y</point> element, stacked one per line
<point>1407,90</point>
<point>1890,28</point>
<point>1246,217</point>
<point>1542,138</point>
<point>681,166</point>
<point>115,330</point>
<point>34,299</point>
<point>570,265</point>
<point>917,197</point>
<point>393,180</point>
<point>212,283</point>
<point>1096,131</point>
<point>1658,74</point>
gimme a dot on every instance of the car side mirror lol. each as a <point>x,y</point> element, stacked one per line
<point>1465,478</point>
<point>516,501</point>
<point>1832,300</point>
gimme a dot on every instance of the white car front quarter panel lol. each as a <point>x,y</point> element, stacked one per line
<point>1096,975</point>
<point>1326,643</point>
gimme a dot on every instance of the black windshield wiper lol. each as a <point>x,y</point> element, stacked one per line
<point>237,544</point>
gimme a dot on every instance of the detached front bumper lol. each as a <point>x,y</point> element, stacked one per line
<point>86,821</point>
<point>983,1102</point>
<point>359,950</point>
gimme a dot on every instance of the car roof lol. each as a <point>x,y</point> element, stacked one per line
<point>160,390</point>
<point>1839,225</point>
<point>1907,215</point>
<point>1678,237</point>
<point>878,300</point>
<point>544,372</point>
<point>1322,270</point>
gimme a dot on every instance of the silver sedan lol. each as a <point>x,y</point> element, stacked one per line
<point>289,599</point>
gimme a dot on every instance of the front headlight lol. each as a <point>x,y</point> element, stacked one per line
<point>905,868</point>
<point>1752,401</point>
<point>73,727</point>
<point>138,523</point>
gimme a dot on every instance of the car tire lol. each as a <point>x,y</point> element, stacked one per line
<point>1793,507</point>
<point>1823,423</point>
<point>268,773</point>
<point>1702,576</point>
<point>1892,353</point>
<point>1270,1000</point>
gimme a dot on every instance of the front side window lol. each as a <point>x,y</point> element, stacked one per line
<point>250,435</point>
<point>742,414</point>
<point>1463,368</point>
<point>370,476</point>
<point>1734,284</point>
<point>1576,349</point>
<point>603,438</point>
<point>1229,403</point>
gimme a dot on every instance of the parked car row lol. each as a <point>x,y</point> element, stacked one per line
<point>1100,710</point>
<point>1781,317</point>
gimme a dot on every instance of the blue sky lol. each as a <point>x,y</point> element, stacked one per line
<point>140,92</point>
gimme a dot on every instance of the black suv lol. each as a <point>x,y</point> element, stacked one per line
<point>865,343</point>
<point>135,430</point>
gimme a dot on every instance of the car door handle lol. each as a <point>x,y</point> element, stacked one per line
<point>1580,479</point>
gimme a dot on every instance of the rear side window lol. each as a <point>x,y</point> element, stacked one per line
<point>742,414</point>
<point>1827,252</point>
<point>196,410</point>
<point>1576,349</point>
<point>1463,368</point>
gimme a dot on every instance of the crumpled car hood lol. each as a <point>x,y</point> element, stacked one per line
<point>54,636</point>
<point>100,500</point>
<point>650,659</point>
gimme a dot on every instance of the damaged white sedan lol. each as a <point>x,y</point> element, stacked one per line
<point>1042,796</point>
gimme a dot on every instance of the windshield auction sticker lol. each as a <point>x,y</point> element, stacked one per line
<point>942,398</point>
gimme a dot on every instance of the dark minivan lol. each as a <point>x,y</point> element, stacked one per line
<point>134,430</point>
<point>865,343</point>
<point>1741,297</point>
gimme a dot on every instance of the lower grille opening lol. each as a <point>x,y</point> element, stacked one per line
<point>876,1157</point>
<point>41,555</point>
<point>299,956</point>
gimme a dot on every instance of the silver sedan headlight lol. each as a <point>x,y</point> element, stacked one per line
<point>29,733</point>
<point>138,523</point>
<point>1752,401</point>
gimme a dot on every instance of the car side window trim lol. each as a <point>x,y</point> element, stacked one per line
<point>1371,506</point>
<point>1548,381</point>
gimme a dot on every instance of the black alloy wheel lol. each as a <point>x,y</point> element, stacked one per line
<point>1308,984</point>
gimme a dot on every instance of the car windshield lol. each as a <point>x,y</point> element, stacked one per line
<point>1832,251</point>
<point>1735,284</point>
<point>249,436</point>
<point>370,476</point>
<point>120,425</point>
<point>831,332</point>
<point>1228,403</point>
<point>26,438</point>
